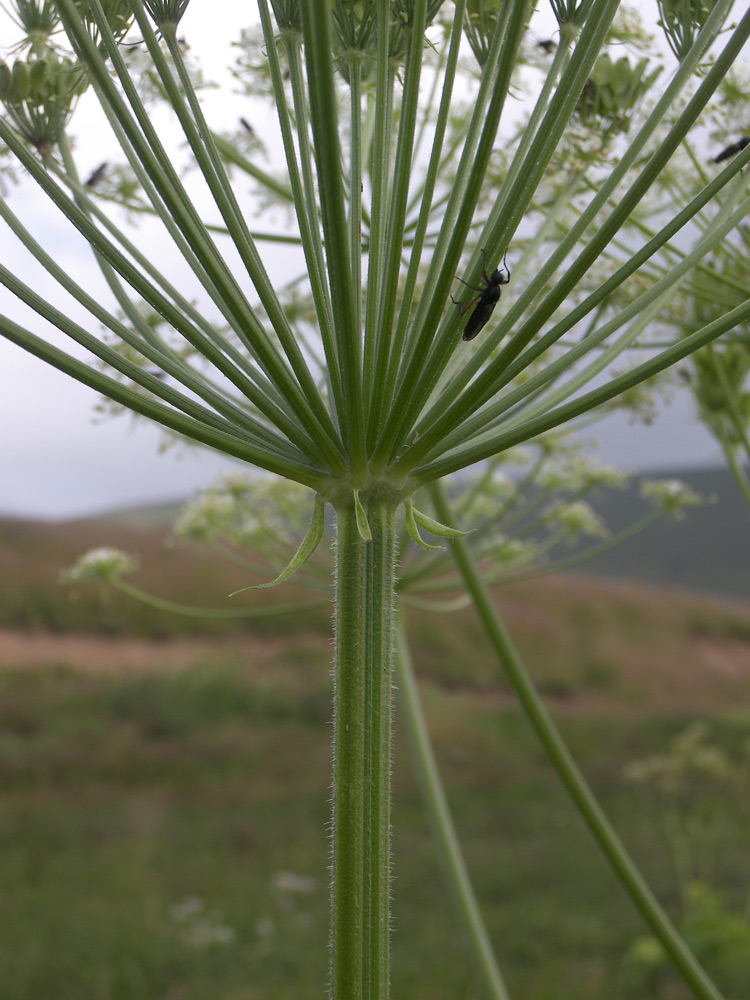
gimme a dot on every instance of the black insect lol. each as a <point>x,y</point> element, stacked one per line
<point>486,300</point>
<point>97,175</point>
<point>732,150</point>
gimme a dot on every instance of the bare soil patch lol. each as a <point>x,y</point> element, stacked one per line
<point>98,653</point>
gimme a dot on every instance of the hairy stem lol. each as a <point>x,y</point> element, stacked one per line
<point>361,826</point>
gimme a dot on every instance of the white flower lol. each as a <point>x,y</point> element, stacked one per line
<point>289,882</point>
<point>578,518</point>
<point>201,928</point>
<point>105,564</point>
<point>671,495</point>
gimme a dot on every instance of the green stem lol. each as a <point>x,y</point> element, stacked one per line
<point>398,198</point>
<point>569,773</point>
<point>146,144</point>
<point>160,355</point>
<point>440,817</point>
<point>355,182</point>
<point>242,427</point>
<point>493,445</point>
<point>417,377</point>
<point>186,319</point>
<point>582,557</point>
<point>426,200</point>
<point>108,272</point>
<point>379,159</point>
<point>477,396</point>
<point>207,156</point>
<point>625,206</point>
<point>191,611</point>
<point>318,38</point>
<point>152,295</point>
<point>230,153</point>
<point>227,444</point>
<point>302,180</point>
<point>361,828</point>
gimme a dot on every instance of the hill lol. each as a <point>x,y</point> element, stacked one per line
<point>707,551</point>
<point>614,643</point>
<point>34,553</point>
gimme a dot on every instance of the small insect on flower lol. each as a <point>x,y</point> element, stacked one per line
<point>485,302</point>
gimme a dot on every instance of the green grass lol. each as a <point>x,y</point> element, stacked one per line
<point>163,834</point>
<point>147,822</point>
<point>33,554</point>
<point>618,641</point>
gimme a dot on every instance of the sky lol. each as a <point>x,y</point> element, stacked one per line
<point>59,459</point>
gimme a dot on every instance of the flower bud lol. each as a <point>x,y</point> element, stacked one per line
<point>612,91</point>
<point>20,85</point>
<point>39,95</point>
<point>38,77</point>
<point>5,79</point>
<point>681,20</point>
<point>166,11</point>
<point>118,14</point>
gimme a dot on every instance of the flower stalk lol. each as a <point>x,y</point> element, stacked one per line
<point>442,823</point>
<point>377,396</point>
<point>570,775</point>
<point>361,823</point>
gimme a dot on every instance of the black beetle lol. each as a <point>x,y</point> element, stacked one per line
<point>486,300</point>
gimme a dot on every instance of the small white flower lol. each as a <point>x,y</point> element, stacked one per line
<point>578,518</point>
<point>671,495</point>
<point>509,552</point>
<point>187,908</point>
<point>201,928</point>
<point>289,882</point>
<point>104,564</point>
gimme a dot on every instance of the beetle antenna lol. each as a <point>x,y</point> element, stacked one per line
<point>505,266</point>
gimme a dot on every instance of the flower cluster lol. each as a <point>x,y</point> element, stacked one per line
<point>103,564</point>
<point>39,95</point>
<point>671,496</point>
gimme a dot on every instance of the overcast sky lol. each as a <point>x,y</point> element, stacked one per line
<point>58,460</point>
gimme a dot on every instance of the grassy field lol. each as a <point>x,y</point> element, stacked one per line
<point>163,797</point>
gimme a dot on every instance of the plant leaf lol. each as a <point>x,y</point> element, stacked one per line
<point>306,548</point>
<point>434,527</point>
<point>411,527</point>
<point>363,525</point>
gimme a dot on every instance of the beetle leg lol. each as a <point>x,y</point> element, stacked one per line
<point>463,309</point>
<point>473,287</point>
